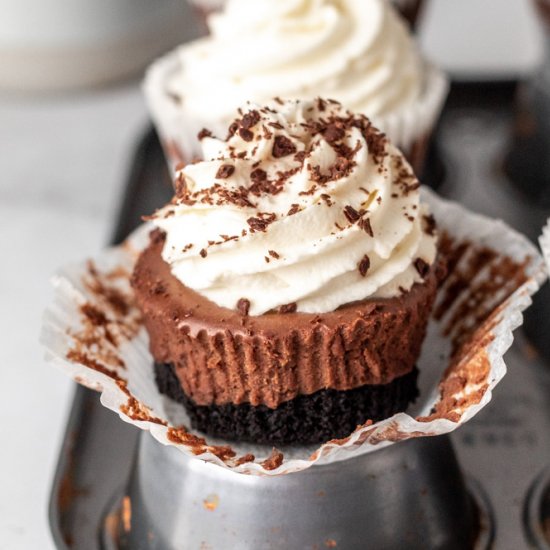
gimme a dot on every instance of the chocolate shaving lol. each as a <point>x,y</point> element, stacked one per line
<point>294,208</point>
<point>250,119</point>
<point>204,133</point>
<point>243,306</point>
<point>429,225</point>
<point>282,147</point>
<point>273,254</point>
<point>203,253</point>
<point>225,171</point>
<point>366,226</point>
<point>232,130</point>
<point>422,267</point>
<point>327,199</point>
<point>334,132</point>
<point>300,156</point>
<point>351,214</point>
<point>364,265</point>
<point>261,222</point>
<point>180,185</point>
<point>246,135</point>
<point>288,308</point>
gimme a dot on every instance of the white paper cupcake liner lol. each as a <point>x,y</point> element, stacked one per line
<point>544,242</point>
<point>93,332</point>
<point>178,128</point>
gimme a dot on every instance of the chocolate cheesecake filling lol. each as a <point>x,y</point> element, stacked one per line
<point>224,357</point>
<point>306,419</point>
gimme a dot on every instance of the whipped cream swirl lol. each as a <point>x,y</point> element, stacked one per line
<point>304,207</point>
<point>359,52</point>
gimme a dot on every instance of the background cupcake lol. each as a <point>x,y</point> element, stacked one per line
<point>359,52</point>
<point>288,292</point>
<point>410,9</point>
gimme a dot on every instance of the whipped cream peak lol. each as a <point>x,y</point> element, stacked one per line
<point>304,205</point>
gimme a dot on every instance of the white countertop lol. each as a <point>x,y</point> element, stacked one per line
<point>63,162</point>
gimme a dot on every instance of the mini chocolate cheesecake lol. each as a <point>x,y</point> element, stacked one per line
<point>306,342</point>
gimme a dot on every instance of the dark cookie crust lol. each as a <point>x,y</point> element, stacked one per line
<point>324,415</point>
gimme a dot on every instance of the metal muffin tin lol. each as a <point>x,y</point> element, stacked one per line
<point>117,488</point>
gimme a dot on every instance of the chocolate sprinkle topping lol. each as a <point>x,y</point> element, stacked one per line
<point>225,171</point>
<point>364,265</point>
<point>203,253</point>
<point>283,147</point>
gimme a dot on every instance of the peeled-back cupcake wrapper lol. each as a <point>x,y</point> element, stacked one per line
<point>93,332</point>
<point>178,129</point>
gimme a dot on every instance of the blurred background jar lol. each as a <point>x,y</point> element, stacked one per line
<point>51,45</point>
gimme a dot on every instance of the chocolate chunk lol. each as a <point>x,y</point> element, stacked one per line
<point>283,147</point>
<point>422,267</point>
<point>203,253</point>
<point>364,265</point>
<point>225,171</point>
<point>243,306</point>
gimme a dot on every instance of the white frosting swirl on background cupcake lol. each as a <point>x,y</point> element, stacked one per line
<point>303,204</point>
<point>359,52</point>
